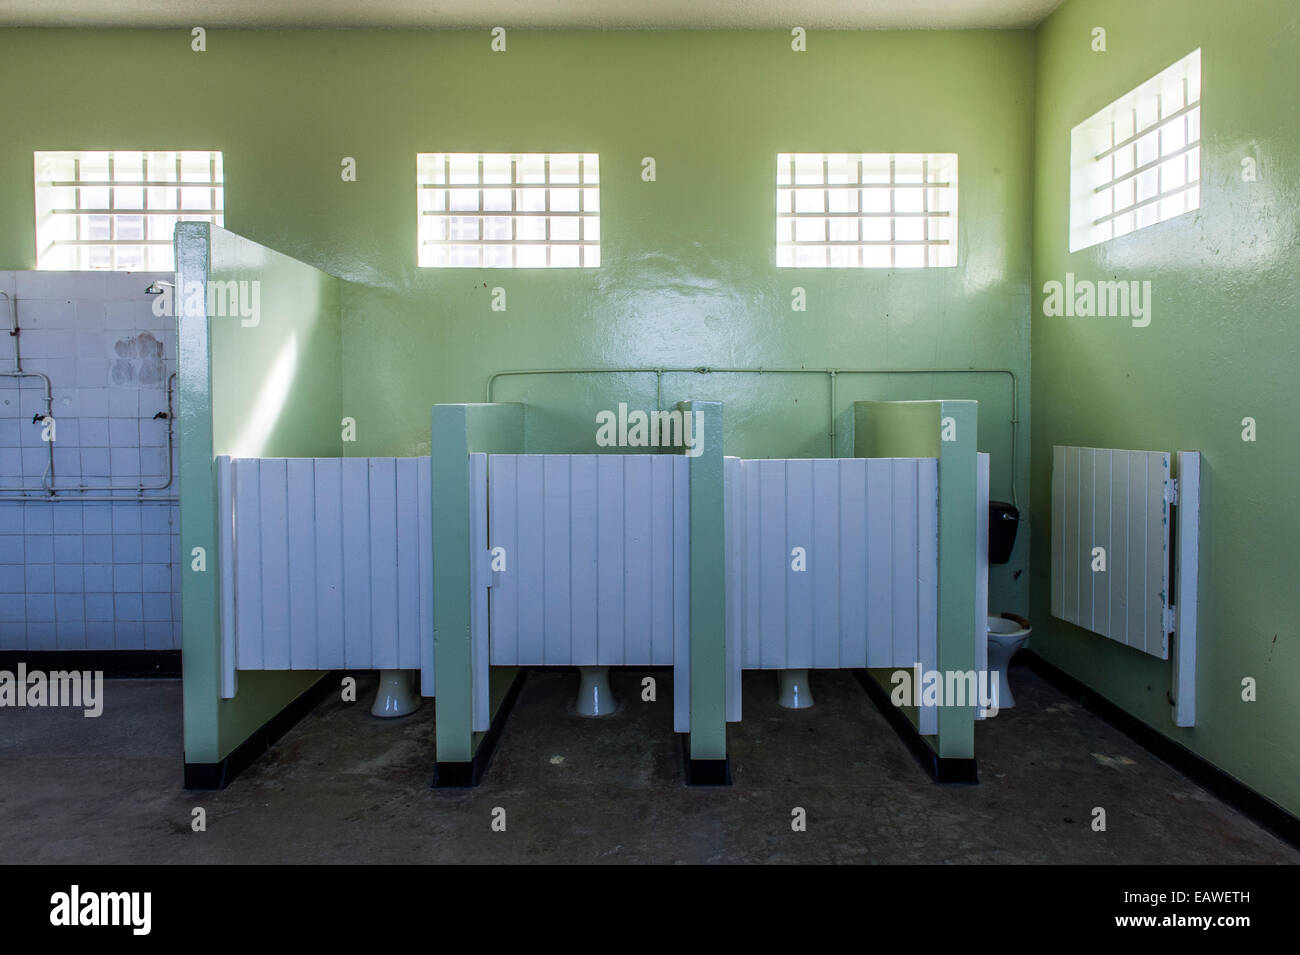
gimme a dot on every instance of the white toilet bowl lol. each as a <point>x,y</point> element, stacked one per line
<point>795,694</point>
<point>594,695</point>
<point>1006,636</point>
<point>395,696</point>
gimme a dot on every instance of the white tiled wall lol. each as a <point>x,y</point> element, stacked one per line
<point>92,575</point>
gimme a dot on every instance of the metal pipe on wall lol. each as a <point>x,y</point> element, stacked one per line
<point>831,373</point>
<point>100,499</point>
<point>51,492</point>
<point>47,479</point>
<point>13,329</point>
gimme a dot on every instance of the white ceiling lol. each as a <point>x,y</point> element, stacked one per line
<point>555,14</point>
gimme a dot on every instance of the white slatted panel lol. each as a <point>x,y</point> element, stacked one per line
<point>869,530</point>
<point>593,558</point>
<point>226,589</point>
<point>330,564</point>
<point>328,505</point>
<point>480,573</point>
<point>682,605</point>
<point>356,562</point>
<point>1116,500</point>
<point>927,577</point>
<point>734,528</point>
<point>424,617</point>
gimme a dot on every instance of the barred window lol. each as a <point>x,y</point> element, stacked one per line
<point>866,210</point>
<point>508,210</point>
<point>116,209</point>
<point>1138,161</point>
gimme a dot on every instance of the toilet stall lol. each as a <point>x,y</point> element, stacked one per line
<point>490,555</point>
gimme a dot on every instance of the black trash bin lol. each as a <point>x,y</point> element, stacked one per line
<point>1004,519</point>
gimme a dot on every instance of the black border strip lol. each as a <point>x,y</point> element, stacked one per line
<point>704,772</point>
<point>222,774</point>
<point>114,664</point>
<point>462,774</point>
<point>942,769</point>
<point>1231,790</point>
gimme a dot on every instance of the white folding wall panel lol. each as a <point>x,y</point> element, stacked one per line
<point>981,568</point>
<point>1185,587</point>
<point>326,564</point>
<point>1110,544</point>
<point>595,548</point>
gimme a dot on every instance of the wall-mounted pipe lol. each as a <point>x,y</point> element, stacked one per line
<point>831,373</point>
<point>14,330</point>
<point>51,492</point>
<point>47,479</point>
<point>105,499</point>
<point>137,488</point>
<point>49,487</point>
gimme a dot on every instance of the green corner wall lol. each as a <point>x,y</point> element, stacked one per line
<point>1222,345</point>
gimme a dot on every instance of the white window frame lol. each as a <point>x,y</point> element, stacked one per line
<point>1137,162</point>
<point>866,210</point>
<point>146,191</point>
<point>467,201</point>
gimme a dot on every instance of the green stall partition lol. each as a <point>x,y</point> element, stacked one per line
<point>706,746</point>
<point>945,430</point>
<point>259,367</point>
<point>460,430</point>
<point>464,744</point>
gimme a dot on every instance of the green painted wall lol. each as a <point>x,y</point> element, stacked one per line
<point>1222,345</point>
<point>896,430</point>
<point>688,276</point>
<point>275,377</point>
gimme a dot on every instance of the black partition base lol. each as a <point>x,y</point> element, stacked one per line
<point>462,774</point>
<point>1232,791</point>
<point>942,769</point>
<point>704,772</point>
<point>221,774</point>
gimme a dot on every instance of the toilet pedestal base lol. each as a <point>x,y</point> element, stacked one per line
<point>795,694</point>
<point>594,696</point>
<point>395,696</point>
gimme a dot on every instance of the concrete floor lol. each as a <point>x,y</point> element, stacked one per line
<point>343,787</point>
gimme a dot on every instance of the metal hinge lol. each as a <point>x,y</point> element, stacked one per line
<point>1170,618</point>
<point>1171,492</point>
